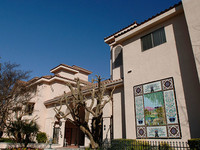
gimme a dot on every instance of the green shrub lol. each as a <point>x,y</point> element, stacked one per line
<point>8,140</point>
<point>164,146</point>
<point>41,137</point>
<point>194,144</point>
<point>129,144</point>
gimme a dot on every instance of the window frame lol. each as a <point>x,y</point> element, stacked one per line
<point>56,132</point>
<point>162,29</point>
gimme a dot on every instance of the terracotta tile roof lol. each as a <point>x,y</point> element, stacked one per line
<point>86,88</point>
<point>33,79</point>
<point>48,77</point>
<point>77,68</point>
<point>126,29</point>
<point>61,65</point>
<point>105,82</point>
<point>22,82</point>
<point>27,82</point>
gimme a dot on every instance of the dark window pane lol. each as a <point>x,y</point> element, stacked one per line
<point>56,135</point>
<point>159,37</point>
<point>146,42</point>
<point>118,57</point>
<point>29,108</point>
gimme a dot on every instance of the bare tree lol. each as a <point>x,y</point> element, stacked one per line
<point>14,93</point>
<point>79,103</point>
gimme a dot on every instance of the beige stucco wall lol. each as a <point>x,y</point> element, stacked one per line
<point>81,76</point>
<point>66,74</point>
<point>72,75</point>
<point>156,63</point>
<point>49,124</point>
<point>192,13</point>
<point>107,113</point>
<point>118,113</point>
<point>45,92</point>
<point>57,89</point>
<point>189,76</point>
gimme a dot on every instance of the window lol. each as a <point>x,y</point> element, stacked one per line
<point>56,135</point>
<point>153,39</point>
<point>118,57</point>
<point>156,110</point>
<point>29,108</point>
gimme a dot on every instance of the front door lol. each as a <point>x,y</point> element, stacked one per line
<point>68,134</point>
<point>73,135</point>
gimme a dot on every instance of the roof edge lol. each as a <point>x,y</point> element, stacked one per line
<point>109,85</point>
<point>126,29</point>
<point>73,68</point>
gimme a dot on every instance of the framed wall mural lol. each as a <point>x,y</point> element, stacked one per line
<point>156,110</point>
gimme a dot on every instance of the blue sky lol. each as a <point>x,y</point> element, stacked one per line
<point>41,34</point>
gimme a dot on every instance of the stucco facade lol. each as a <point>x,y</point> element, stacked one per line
<point>176,58</point>
<point>191,11</point>
<point>49,91</point>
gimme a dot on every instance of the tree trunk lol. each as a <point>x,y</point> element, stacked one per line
<point>94,145</point>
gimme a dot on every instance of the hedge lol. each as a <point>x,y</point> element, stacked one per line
<point>7,140</point>
<point>41,137</point>
<point>194,144</point>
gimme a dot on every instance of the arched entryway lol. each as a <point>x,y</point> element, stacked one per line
<point>73,134</point>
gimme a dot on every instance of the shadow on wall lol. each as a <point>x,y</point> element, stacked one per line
<point>118,60</point>
<point>189,75</point>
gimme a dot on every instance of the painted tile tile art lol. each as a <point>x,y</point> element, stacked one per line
<point>156,110</point>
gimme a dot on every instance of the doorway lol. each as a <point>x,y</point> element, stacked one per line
<point>73,135</point>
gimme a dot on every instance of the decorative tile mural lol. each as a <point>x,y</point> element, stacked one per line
<point>141,132</point>
<point>157,131</point>
<point>138,90</point>
<point>156,110</point>
<point>139,110</point>
<point>174,131</point>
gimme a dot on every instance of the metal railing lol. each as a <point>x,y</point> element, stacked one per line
<point>144,145</point>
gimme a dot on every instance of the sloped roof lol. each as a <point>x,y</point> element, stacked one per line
<point>51,77</point>
<point>131,27</point>
<point>73,68</point>
<point>108,83</point>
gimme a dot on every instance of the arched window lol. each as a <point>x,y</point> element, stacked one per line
<point>118,57</point>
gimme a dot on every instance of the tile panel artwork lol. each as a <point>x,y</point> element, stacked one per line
<point>156,110</point>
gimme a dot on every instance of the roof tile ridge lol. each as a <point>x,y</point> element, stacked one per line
<point>154,16</point>
<point>33,79</point>
<point>64,66</point>
<point>122,29</point>
<point>48,76</point>
<point>146,20</point>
